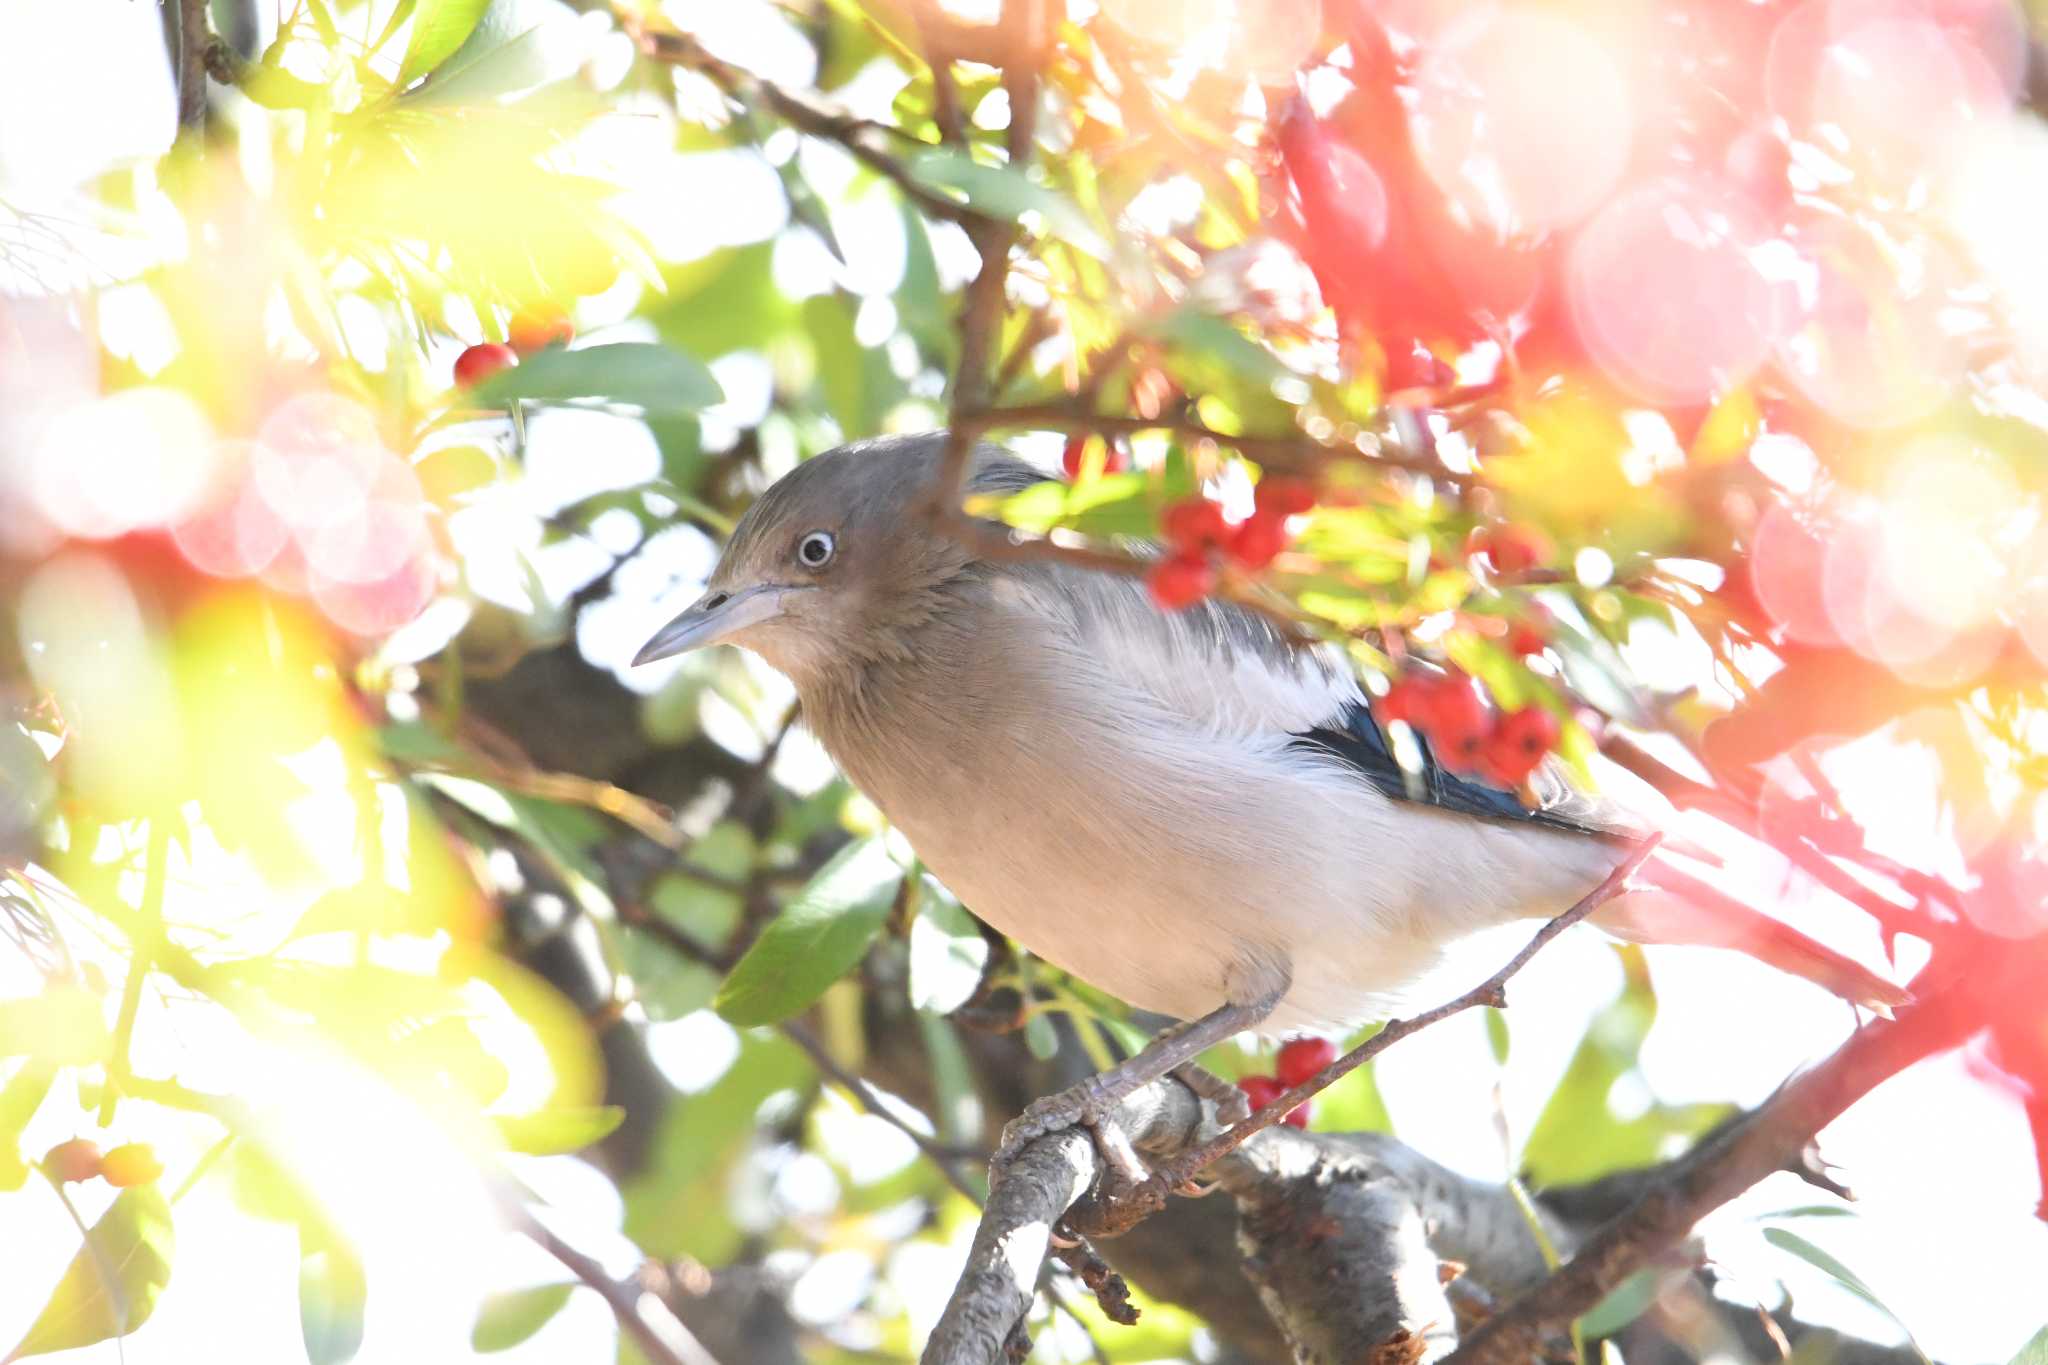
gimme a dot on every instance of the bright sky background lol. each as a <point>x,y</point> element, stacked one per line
<point>1946,1233</point>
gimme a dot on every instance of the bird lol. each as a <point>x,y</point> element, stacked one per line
<point>1193,811</point>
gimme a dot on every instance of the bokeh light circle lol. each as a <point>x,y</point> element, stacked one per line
<point>1870,347</point>
<point>1787,561</point>
<point>233,532</point>
<point>1523,120</point>
<point>315,459</point>
<point>133,460</point>
<point>1666,292</point>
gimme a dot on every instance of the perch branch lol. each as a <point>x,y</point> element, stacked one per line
<point>1050,1175</point>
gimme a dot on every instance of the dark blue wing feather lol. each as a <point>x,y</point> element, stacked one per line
<point>1356,739</point>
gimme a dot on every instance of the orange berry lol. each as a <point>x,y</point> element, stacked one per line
<point>1180,582</point>
<point>132,1163</point>
<point>530,332</point>
<point>69,1162</point>
<point>481,361</point>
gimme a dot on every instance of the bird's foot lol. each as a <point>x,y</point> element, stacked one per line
<point>1089,1105</point>
<point>1233,1106</point>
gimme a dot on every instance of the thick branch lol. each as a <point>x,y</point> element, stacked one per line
<point>1046,1179</point>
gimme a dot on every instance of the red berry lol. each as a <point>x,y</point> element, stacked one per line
<point>1074,454</point>
<point>1180,582</point>
<point>1513,548</point>
<point>1263,1090</point>
<point>530,332</point>
<point>1259,539</point>
<point>1519,743</point>
<point>1407,700</point>
<point>1075,457</point>
<point>1284,497</point>
<point>1301,1058</point>
<point>1194,524</point>
<point>1457,722</point>
<point>1525,640</point>
<point>481,361</point>
<point>73,1161</point>
<point>132,1163</point>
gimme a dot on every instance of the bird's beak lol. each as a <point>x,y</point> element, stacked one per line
<point>713,619</point>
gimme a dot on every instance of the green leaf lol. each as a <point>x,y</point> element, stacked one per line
<point>1005,192</point>
<point>557,1132</point>
<point>2035,1352</point>
<point>331,1295</point>
<point>1578,1136</point>
<point>112,1284</point>
<point>657,379</point>
<point>439,28</point>
<point>1041,1038</point>
<point>1624,1303</point>
<point>816,938</point>
<point>947,952</point>
<point>505,1320</point>
<point>1497,1034</point>
<point>667,984</point>
<point>1787,1240</point>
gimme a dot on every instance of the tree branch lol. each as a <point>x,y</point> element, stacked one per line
<point>857,135</point>
<point>1010,1245</point>
<point>1743,1154</point>
<point>656,1330</point>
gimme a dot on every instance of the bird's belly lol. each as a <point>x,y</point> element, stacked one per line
<point>1180,876</point>
<point>1172,898</point>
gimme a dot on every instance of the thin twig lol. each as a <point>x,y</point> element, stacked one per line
<point>654,1327</point>
<point>857,135</point>
<point>870,1101</point>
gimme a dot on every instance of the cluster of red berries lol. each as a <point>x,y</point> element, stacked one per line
<point>527,334</point>
<point>1467,734</point>
<point>132,1163</point>
<point>1196,533</point>
<point>1300,1058</point>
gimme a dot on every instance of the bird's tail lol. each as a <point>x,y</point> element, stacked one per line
<point>1677,909</point>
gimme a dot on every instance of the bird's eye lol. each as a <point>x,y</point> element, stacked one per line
<point>814,551</point>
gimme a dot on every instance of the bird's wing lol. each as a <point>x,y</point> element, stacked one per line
<point>1230,670</point>
<point>1359,742</point>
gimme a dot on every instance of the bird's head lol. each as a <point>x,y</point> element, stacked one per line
<point>835,565</point>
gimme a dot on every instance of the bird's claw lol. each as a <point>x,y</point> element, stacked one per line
<point>1077,1107</point>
